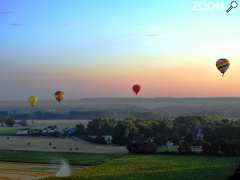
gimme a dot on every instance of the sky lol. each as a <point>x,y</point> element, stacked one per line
<point>100,48</point>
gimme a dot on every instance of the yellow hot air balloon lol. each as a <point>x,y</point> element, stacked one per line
<point>222,65</point>
<point>59,96</point>
<point>32,100</point>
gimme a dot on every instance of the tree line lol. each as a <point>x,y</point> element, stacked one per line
<point>216,135</point>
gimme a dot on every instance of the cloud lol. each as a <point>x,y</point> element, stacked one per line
<point>5,12</point>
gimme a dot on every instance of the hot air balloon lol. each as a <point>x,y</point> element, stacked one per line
<point>222,65</point>
<point>32,100</point>
<point>136,88</point>
<point>59,96</point>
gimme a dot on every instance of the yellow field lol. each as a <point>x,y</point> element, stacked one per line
<point>28,171</point>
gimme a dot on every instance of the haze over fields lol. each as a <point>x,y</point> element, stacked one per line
<point>228,107</point>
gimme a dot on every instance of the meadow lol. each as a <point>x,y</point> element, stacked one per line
<point>125,166</point>
<point>8,130</point>
<point>29,165</point>
<point>61,124</point>
<point>40,124</point>
<point>51,144</point>
<point>28,171</point>
<point>155,167</point>
<point>83,159</point>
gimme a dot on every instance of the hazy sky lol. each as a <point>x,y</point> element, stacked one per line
<point>99,48</point>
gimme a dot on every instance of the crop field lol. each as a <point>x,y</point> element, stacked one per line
<point>154,167</point>
<point>29,165</point>
<point>40,157</point>
<point>25,171</point>
<point>40,124</point>
<point>66,123</point>
<point>29,171</point>
<point>51,144</point>
<point>8,130</point>
<point>85,166</point>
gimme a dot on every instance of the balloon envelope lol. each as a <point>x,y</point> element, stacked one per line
<point>136,88</point>
<point>222,65</point>
<point>59,96</point>
<point>32,100</point>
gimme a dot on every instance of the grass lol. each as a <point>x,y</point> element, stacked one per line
<point>67,123</point>
<point>54,157</point>
<point>8,130</point>
<point>132,167</point>
<point>154,167</point>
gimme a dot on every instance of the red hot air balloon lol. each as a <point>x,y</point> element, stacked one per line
<point>136,88</point>
<point>59,95</point>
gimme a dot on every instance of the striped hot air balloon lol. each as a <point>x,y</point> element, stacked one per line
<point>222,65</point>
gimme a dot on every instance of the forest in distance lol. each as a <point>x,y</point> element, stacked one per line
<point>121,108</point>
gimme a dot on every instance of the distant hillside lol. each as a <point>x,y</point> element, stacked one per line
<point>229,107</point>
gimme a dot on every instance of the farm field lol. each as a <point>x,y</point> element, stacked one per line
<point>27,171</point>
<point>155,167</point>
<point>8,131</point>
<point>51,144</point>
<point>66,123</point>
<point>40,157</point>
<point>40,124</point>
<point>24,171</point>
<point>29,165</point>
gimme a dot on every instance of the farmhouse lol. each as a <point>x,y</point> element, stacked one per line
<point>22,132</point>
<point>107,138</point>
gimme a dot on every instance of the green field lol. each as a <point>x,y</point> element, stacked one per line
<point>133,167</point>
<point>40,124</point>
<point>157,167</point>
<point>8,130</point>
<point>66,123</point>
<point>54,157</point>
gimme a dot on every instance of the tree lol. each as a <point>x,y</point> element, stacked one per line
<point>10,122</point>
<point>184,147</point>
<point>142,147</point>
<point>80,130</point>
<point>100,140</point>
<point>187,127</point>
<point>161,131</point>
<point>121,133</point>
<point>23,122</point>
<point>100,126</point>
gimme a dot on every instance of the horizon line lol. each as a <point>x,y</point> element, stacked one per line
<point>130,97</point>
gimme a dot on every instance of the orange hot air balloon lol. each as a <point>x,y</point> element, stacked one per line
<point>136,88</point>
<point>59,96</point>
<point>222,65</point>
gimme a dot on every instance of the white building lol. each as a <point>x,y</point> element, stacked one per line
<point>22,132</point>
<point>107,138</point>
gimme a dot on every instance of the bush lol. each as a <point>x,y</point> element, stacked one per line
<point>184,147</point>
<point>100,140</point>
<point>144,148</point>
